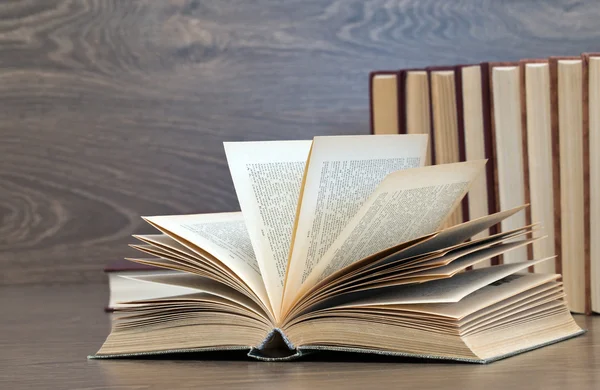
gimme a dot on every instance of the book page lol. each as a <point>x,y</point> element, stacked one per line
<point>341,175</point>
<point>425,274</point>
<point>222,235</point>
<point>438,291</point>
<point>406,205</point>
<point>439,258</point>
<point>455,235</point>
<point>445,240</point>
<point>267,178</point>
<point>124,290</point>
<point>195,284</point>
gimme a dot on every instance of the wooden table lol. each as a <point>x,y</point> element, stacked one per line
<point>46,332</point>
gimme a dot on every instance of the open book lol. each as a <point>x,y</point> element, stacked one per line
<point>337,248</point>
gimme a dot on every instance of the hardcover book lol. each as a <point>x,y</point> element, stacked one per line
<point>338,247</point>
<point>123,287</point>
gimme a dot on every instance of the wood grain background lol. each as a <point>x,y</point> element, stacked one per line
<point>113,109</point>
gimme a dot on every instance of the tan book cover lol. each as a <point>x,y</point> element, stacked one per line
<point>591,162</point>
<point>384,102</point>
<point>566,75</point>
<point>510,161</point>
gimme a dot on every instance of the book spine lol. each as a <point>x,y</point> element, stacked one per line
<point>553,66</point>
<point>494,153</point>
<point>586,183</point>
<point>432,128</point>
<point>371,109</point>
<point>525,148</point>
<point>402,127</point>
<point>462,151</point>
<point>489,145</point>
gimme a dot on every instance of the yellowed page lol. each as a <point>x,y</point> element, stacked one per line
<point>539,149</point>
<point>267,178</point>
<point>438,291</point>
<point>475,144</point>
<point>165,241</point>
<point>196,284</point>
<point>406,205</point>
<point>509,148</point>
<point>123,289</point>
<point>385,104</point>
<point>224,236</point>
<point>471,259</point>
<point>594,123</point>
<point>511,286</point>
<point>341,175</point>
<point>570,132</point>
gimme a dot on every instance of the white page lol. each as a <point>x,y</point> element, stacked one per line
<point>341,175</point>
<point>406,205</point>
<point>222,235</point>
<point>267,178</point>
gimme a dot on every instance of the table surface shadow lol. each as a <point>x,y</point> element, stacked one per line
<point>46,333</point>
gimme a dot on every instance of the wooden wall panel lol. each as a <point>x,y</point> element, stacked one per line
<point>114,109</point>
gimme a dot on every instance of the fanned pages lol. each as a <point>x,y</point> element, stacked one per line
<point>341,175</point>
<point>338,247</point>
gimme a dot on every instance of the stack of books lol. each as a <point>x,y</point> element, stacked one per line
<point>538,123</point>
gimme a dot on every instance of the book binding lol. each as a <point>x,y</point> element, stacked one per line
<point>276,347</point>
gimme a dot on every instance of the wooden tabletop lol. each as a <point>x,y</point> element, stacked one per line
<point>46,332</point>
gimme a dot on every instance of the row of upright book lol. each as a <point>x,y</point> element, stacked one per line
<point>537,121</point>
